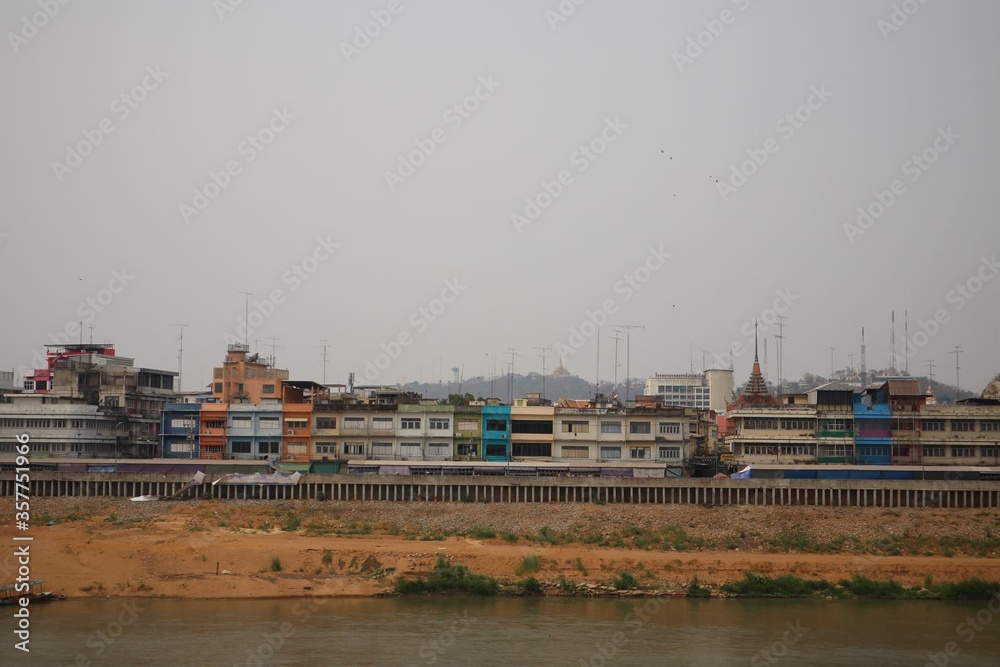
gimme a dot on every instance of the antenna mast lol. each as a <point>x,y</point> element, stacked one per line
<point>543,350</point>
<point>628,355</point>
<point>180,356</point>
<point>325,344</point>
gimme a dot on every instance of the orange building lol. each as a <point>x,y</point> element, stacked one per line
<point>213,430</point>
<point>297,418</point>
<point>246,378</point>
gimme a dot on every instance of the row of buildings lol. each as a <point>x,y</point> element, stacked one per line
<point>90,402</point>
<point>894,423</point>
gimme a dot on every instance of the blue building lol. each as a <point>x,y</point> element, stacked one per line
<point>180,425</point>
<point>872,420</point>
<point>496,432</point>
<point>253,432</point>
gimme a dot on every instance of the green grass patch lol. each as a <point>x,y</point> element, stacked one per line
<point>696,590</point>
<point>275,564</point>
<point>625,581</point>
<point>447,578</point>
<point>786,586</point>
<point>528,564</point>
<point>530,587</point>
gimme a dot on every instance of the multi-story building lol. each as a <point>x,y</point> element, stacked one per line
<point>8,385</point>
<point>496,432</point>
<point>246,378</point>
<point>531,428</point>
<point>711,390</point>
<point>129,398</point>
<point>468,438</point>
<point>60,426</point>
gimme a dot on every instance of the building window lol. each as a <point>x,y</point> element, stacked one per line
<point>964,425</point>
<point>467,450</point>
<point>670,452</point>
<point>183,422</point>
<point>241,447</point>
<point>933,452</point>
<point>268,447</point>
<point>760,423</point>
<point>409,423</point>
<point>326,448</point>
<point>496,425</point>
<point>268,423</point>
<point>575,452</point>
<point>611,427</point>
<point>989,452</point>
<point>354,423</point>
<point>575,427</point>
<point>638,452</point>
<point>267,389</point>
<point>296,423</point>
<point>354,448</point>
<point>241,422</point>
<point>796,424</point>
<point>962,452</point>
<point>640,427</point>
<point>530,426</point>
<point>611,452</point>
<point>669,428</point>
<point>991,426</point>
<point>468,425</point>
<point>439,424</point>
<point>531,449</point>
<point>839,450</point>
<point>933,425</point>
<point>296,448</point>
<point>218,388</point>
<point>797,450</point>
<point>410,450</point>
<point>326,422</point>
<point>382,423</point>
<point>496,451</point>
<point>381,449</point>
<point>438,449</point>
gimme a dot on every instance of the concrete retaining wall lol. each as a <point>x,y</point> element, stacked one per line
<point>688,491</point>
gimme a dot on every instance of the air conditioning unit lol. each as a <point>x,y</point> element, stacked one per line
<point>291,432</point>
<point>290,457</point>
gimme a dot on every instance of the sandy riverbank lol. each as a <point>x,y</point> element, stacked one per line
<point>106,547</point>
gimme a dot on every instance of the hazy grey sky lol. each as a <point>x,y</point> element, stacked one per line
<point>309,118</point>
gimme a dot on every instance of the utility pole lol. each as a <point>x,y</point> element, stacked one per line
<point>180,356</point>
<point>325,344</point>
<point>617,340</point>
<point>512,351</point>
<point>958,387</point>
<point>781,348</point>
<point>246,319</point>
<point>628,354</point>
<point>543,350</point>
<point>703,353</point>
<point>832,350</point>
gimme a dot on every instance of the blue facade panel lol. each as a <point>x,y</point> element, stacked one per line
<point>180,426</point>
<point>496,432</point>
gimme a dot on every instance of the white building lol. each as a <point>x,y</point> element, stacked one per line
<point>59,426</point>
<point>711,390</point>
